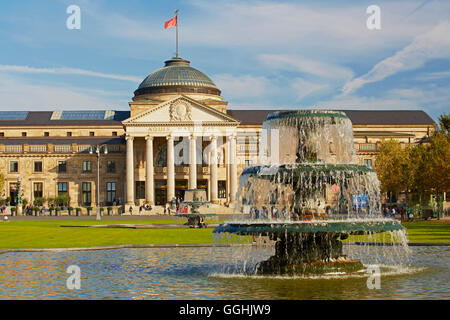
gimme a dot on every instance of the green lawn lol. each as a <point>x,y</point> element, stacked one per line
<point>50,234</point>
<point>420,231</point>
<point>428,231</point>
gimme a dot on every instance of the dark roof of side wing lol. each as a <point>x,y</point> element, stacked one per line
<point>358,117</point>
<point>43,118</point>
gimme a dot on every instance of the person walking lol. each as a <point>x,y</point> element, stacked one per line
<point>131,210</point>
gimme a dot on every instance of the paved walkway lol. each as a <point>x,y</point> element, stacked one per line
<point>140,226</point>
<point>109,218</point>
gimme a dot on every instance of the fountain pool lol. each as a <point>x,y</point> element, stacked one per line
<point>202,273</point>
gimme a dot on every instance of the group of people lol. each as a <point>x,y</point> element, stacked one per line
<point>173,206</point>
<point>404,212</point>
<point>264,213</point>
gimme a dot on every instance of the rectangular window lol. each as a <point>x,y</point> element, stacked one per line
<point>14,166</point>
<point>140,189</point>
<point>2,134</point>
<point>38,188</point>
<point>111,192</point>
<point>368,147</point>
<point>111,167</point>
<point>46,134</point>
<point>92,133</point>
<point>62,166</point>
<point>87,166</point>
<point>38,166</point>
<point>63,148</point>
<point>368,162</point>
<point>16,148</point>
<point>222,189</point>
<point>69,134</point>
<point>62,188</point>
<point>114,133</point>
<point>38,148</point>
<point>86,188</point>
<point>24,134</point>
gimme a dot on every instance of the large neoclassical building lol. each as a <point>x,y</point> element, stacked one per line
<point>178,134</point>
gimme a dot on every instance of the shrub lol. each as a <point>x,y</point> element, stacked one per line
<point>39,202</point>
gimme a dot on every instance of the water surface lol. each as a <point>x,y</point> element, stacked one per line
<point>203,273</point>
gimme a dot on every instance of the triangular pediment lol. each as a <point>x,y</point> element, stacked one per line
<point>181,110</point>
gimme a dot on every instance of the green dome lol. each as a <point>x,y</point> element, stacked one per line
<point>177,76</point>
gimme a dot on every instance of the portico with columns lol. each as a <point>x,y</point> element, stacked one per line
<point>176,145</point>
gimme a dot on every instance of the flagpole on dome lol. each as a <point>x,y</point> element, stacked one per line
<point>176,15</point>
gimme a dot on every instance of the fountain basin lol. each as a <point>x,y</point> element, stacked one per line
<point>280,227</point>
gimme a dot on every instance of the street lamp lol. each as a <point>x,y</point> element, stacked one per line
<point>98,152</point>
<point>19,196</point>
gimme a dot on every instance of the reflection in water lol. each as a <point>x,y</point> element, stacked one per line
<point>203,273</point>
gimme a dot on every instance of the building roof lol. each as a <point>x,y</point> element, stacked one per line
<point>176,73</point>
<point>389,117</point>
<point>61,140</point>
<point>49,118</point>
<point>358,117</point>
<point>246,117</point>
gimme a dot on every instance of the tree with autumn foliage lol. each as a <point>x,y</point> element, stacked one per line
<point>421,169</point>
<point>392,165</point>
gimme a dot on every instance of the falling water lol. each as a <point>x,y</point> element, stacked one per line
<point>311,199</point>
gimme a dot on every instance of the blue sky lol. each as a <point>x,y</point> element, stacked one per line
<point>261,54</point>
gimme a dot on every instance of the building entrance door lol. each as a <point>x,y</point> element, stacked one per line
<point>180,187</point>
<point>160,192</point>
<point>160,197</point>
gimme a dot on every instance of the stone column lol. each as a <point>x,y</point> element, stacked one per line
<point>213,170</point>
<point>170,169</point>
<point>192,162</point>
<point>149,172</point>
<point>130,171</point>
<point>233,170</point>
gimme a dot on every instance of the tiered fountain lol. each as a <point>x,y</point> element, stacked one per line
<point>314,195</point>
<point>195,198</point>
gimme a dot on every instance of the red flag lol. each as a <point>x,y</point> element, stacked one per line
<point>171,23</point>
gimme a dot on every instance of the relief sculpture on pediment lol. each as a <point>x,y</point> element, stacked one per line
<point>181,111</point>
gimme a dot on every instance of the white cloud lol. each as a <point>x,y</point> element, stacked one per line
<point>17,94</point>
<point>430,76</point>
<point>301,64</point>
<point>434,44</point>
<point>65,71</point>
<point>246,86</point>
<point>303,88</point>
